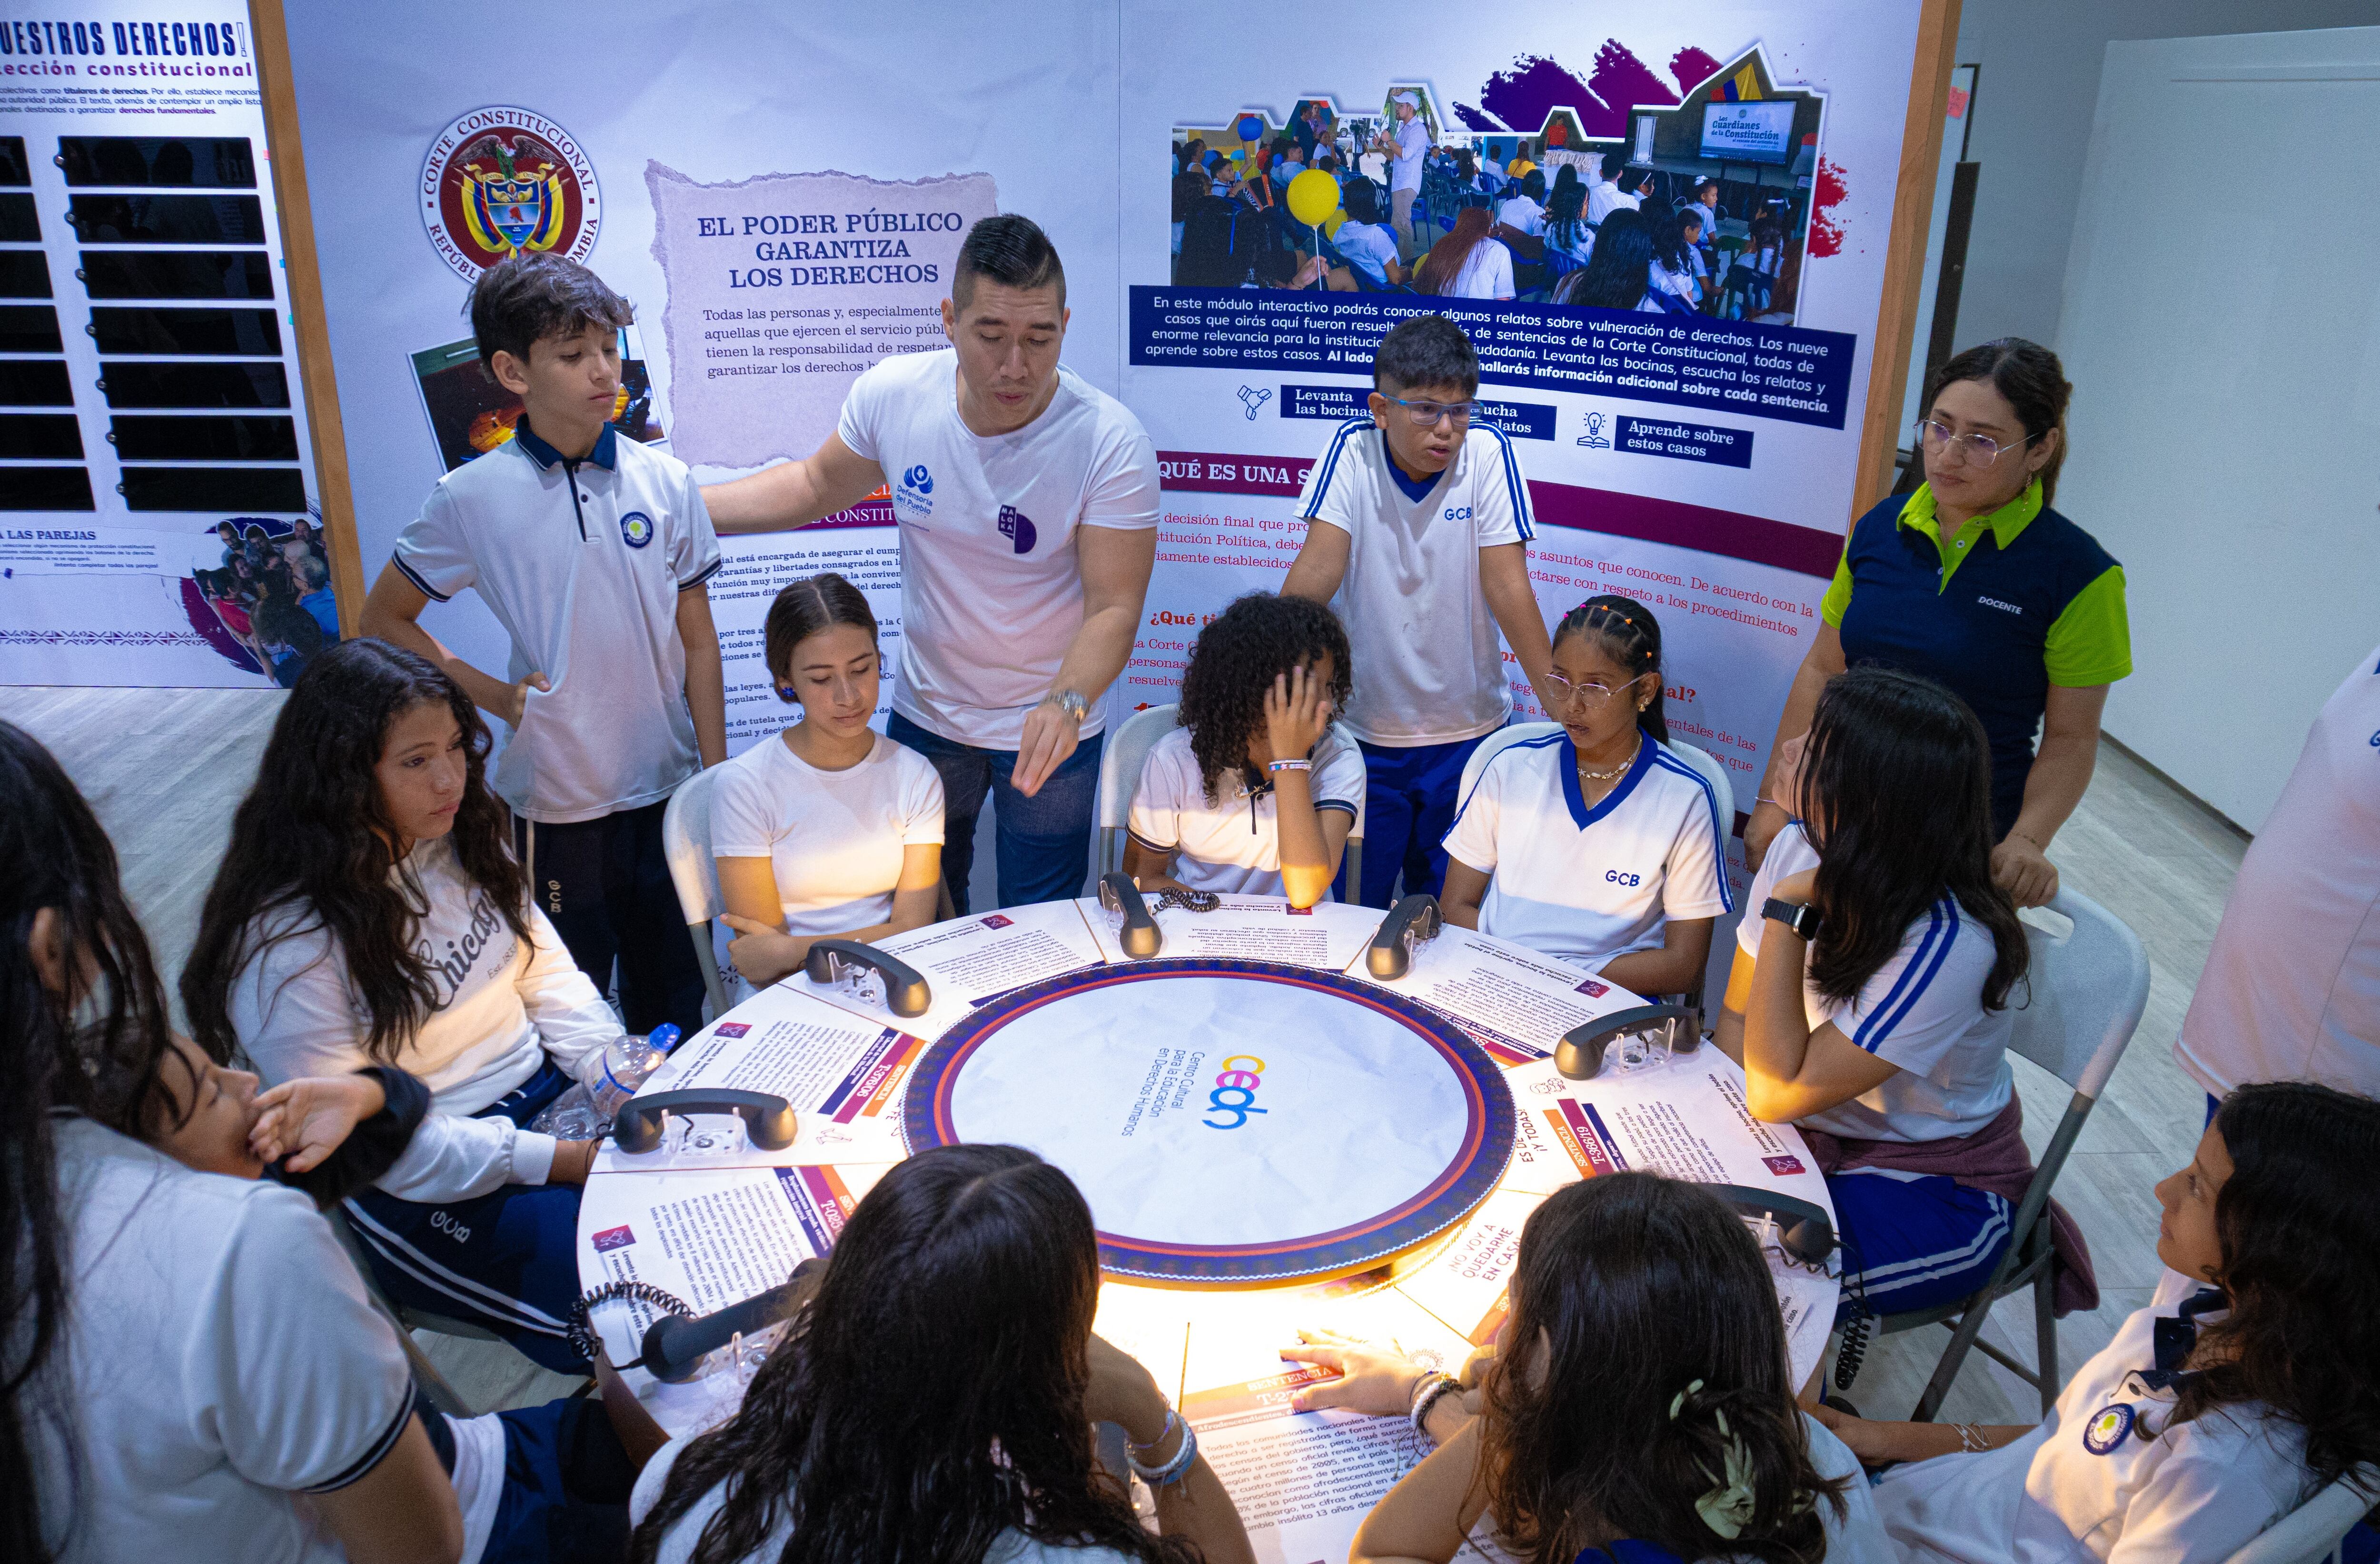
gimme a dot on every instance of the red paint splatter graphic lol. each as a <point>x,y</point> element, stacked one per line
<point>1691,67</point>
<point>1826,233</point>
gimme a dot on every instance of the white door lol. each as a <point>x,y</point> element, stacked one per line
<point>2222,330</point>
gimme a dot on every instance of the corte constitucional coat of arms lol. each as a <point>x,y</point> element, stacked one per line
<point>502,181</point>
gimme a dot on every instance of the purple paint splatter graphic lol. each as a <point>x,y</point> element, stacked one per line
<point>1520,98</point>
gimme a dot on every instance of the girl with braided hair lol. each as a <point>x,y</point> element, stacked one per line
<point>1597,843</point>
<point>1256,792</point>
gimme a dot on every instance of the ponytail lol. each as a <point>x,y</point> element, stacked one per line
<point>1629,633</point>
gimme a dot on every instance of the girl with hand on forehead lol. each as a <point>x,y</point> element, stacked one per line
<point>1256,792</point>
<point>1597,843</point>
<point>831,829</point>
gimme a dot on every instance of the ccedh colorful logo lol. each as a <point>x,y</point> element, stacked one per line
<point>1243,1081</point>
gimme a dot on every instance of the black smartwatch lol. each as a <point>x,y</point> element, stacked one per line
<point>1800,918</point>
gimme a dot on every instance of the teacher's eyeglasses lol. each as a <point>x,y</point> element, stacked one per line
<point>1426,414</point>
<point>1589,697</point>
<point>1980,449</point>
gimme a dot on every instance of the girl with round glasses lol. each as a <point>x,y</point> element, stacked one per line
<point>1595,842</point>
<point>1973,581</point>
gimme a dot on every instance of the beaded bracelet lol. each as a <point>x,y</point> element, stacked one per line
<point>1275,766</point>
<point>1427,1391</point>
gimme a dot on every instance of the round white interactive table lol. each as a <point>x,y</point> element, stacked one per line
<point>1270,1140</point>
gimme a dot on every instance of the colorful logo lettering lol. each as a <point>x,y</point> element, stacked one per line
<point>1235,1081</point>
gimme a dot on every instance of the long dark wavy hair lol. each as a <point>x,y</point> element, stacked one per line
<point>1628,1289</point>
<point>1234,662</point>
<point>1618,275</point>
<point>1631,636</point>
<point>1897,798</point>
<point>2298,1222</point>
<point>312,845</point>
<point>100,1053</point>
<point>929,1397</point>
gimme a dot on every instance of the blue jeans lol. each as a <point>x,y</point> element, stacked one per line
<point>1409,806</point>
<point>1044,843</point>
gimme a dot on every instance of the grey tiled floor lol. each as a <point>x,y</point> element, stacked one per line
<point>167,768</point>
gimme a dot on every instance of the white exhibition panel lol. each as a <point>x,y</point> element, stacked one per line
<point>2227,375</point>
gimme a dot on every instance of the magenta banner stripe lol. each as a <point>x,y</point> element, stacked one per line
<point>1779,543</point>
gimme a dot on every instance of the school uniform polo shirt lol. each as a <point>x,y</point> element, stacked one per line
<point>1233,845</point>
<point>2015,602</point>
<point>582,562</point>
<point>1588,884</point>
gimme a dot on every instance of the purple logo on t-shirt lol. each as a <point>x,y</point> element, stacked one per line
<point>1015,524</point>
<point>613,1238</point>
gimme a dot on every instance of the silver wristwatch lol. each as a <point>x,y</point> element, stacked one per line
<point>1071,702</point>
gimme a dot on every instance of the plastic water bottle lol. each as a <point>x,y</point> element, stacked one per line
<point>579,1114</point>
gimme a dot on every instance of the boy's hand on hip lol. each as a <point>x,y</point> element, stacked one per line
<point>1051,735</point>
<point>520,701</point>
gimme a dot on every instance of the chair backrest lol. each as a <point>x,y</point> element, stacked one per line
<point>685,842</point>
<point>1494,745</point>
<point>2088,989</point>
<point>1713,773</point>
<point>1120,761</point>
<point>2313,1529</point>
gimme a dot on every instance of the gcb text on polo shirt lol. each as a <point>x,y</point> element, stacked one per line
<point>582,562</point>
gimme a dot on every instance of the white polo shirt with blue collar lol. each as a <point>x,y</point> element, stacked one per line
<point>1588,884</point>
<point>582,562</point>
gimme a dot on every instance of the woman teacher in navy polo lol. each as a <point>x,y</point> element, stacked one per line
<point>1973,581</point>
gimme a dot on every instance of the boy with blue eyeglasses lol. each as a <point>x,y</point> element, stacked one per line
<point>1417,522</point>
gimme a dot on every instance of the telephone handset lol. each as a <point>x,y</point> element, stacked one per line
<point>767,1119</point>
<point>1804,1231</point>
<point>672,1345</point>
<point>1409,925</point>
<point>1137,932</point>
<point>833,961</point>
<point>1580,1054</point>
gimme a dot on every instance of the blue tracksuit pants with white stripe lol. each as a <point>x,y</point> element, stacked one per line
<point>1914,1241</point>
<point>507,1260</point>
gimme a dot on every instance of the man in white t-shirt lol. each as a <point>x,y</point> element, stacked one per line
<point>1416,523</point>
<point>1405,145</point>
<point>1614,187</point>
<point>2291,990</point>
<point>1027,504</point>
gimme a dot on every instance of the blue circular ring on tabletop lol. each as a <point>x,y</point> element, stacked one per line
<point>1233,1123</point>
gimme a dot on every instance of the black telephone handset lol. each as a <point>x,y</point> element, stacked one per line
<point>905,990</point>
<point>1140,936</point>
<point>1579,1055</point>
<point>767,1119</point>
<point>1804,1231</point>
<point>672,1345</point>
<point>1414,921</point>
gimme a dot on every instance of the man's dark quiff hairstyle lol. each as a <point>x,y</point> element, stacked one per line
<point>1011,250</point>
<point>1234,662</point>
<point>528,297</point>
<point>1426,350</point>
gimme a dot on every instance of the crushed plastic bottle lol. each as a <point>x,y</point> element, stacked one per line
<point>581,1114</point>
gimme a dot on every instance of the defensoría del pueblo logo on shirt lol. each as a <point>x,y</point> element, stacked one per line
<point>502,181</point>
<point>915,493</point>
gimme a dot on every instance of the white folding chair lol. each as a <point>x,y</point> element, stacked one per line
<point>1723,794</point>
<point>1492,746</point>
<point>686,839</point>
<point>2313,1530</point>
<point>2087,991</point>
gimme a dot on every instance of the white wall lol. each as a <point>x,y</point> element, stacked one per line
<point>2226,423</point>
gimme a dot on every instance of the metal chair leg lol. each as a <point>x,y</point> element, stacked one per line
<point>2044,1330</point>
<point>1962,1339</point>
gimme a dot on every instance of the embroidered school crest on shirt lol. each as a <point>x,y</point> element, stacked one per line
<point>2106,1431</point>
<point>501,181</point>
<point>637,529</point>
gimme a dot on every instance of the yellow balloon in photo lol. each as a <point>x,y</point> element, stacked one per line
<point>1313,196</point>
<point>1330,225</point>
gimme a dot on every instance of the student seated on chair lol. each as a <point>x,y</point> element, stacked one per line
<point>934,1400</point>
<point>1595,843</point>
<point>2251,1380</point>
<point>1254,793</point>
<point>830,829</point>
<point>1638,1407</point>
<point>1880,1025</point>
<point>369,911</point>
<point>203,1375</point>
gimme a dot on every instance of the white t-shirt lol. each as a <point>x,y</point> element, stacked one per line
<point>1487,273</point>
<point>1923,1011</point>
<point>220,1357</point>
<point>584,579</point>
<point>834,839</point>
<point>677,1544</point>
<point>1429,667</point>
<point>1521,213</point>
<point>991,584</point>
<point>2106,1479</point>
<point>2291,990</point>
<point>1368,246</point>
<point>503,1006</point>
<point>1604,198</point>
<point>1586,884</point>
<point>1234,844</point>
<point>1413,146</point>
